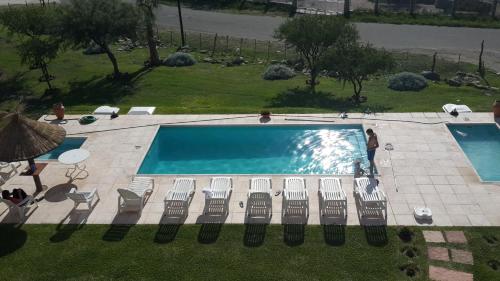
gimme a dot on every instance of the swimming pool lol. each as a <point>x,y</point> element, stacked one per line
<point>481,144</point>
<point>269,149</point>
<point>69,143</point>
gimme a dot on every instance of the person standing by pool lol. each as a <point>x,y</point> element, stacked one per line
<point>371,147</point>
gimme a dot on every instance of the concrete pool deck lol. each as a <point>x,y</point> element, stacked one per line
<point>426,168</point>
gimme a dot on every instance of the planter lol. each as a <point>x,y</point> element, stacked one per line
<point>496,109</point>
<point>58,110</point>
<point>266,115</point>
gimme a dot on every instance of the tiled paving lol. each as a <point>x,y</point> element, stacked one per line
<point>444,274</point>
<point>433,236</point>
<point>426,168</point>
<point>461,256</point>
<point>438,253</point>
<point>457,237</point>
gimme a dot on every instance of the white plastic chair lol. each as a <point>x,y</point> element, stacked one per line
<point>133,197</point>
<point>332,195</point>
<point>83,197</point>
<point>21,207</point>
<point>182,192</point>
<point>259,203</point>
<point>219,191</point>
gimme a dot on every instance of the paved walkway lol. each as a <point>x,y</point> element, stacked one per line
<point>427,167</point>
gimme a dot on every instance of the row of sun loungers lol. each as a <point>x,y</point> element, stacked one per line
<point>295,194</point>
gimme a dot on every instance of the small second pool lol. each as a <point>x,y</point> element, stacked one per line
<point>68,144</point>
<point>294,149</point>
<point>481,144</point>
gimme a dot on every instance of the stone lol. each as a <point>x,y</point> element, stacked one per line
<point>457,237</point>
<point>444,274</point>
<point>432,236</point>
<point>461,256</point>
<point>429,75</point>
<point>438,253</point>
<point>454,82</point>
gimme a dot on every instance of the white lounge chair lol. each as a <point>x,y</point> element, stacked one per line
<point>219,191</point>
<point>259,201</point>
<point>182,192</point>
<point>133,198</point>
<point>141,110</point>
<point>370,196</point>
<point>13,167</point>
<point>83,197</point>
<point>21,207</point>
<point>460,108</point>
<point>332,195</point>
<point>106,110</point>
<point>295,193</point>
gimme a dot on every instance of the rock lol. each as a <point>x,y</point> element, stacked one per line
<point>203,51</point>
<point>429,75</point>
<point>238,61</point>
<point>274,62</point>
<point>208,60</point>
<point>454,82</point>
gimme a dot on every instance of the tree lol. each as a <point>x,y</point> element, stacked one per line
<point>183,39</point>
<point>347,8</point>
<point>101,22</point>
<point>147,8</point>
<point>313,35</point>
<point>376,7</point>
<point>35,27</point>
<point>354,62</point>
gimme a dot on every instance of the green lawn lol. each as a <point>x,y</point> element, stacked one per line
<point>212,88</point>
<point>206,252</point>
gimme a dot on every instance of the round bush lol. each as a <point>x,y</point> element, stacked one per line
<point>407,81</point>
<point>179,59</point>
<point>278,72</point>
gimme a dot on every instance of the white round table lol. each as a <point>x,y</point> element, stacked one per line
<point>75,157</point>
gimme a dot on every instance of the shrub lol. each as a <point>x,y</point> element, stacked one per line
<point>407,81</point>
<point>179,59</point>
<point>278,72</point>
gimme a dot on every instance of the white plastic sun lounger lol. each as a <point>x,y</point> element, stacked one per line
<point>141,110</point>
<point>133,197</point>
<point>260,186</point>
<point>260,198</point>
<point>332,195</point>
<point>220,188</point>
<point>106,110</point>
<point>21,207</point>
<point>83,197</point>
<point>460,108</point>
<point>295,191</point>
<point>371,197</point>
<point>182,191</point>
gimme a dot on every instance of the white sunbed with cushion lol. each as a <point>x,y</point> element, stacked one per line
<point>332,194</point>
<point>141,110</point>
<point>106,110</point>
<point>182,191</point>
<point>83,197</point>
<point>370,195</point>
<point>21,207</point>
<point>295,191</point>
<point>460,108</point>
<point>133,197</point>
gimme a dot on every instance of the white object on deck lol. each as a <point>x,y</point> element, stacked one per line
<point>182,192</point>
<point>332,195</point>
<point>460,108</point>
<point>21,207</point>
<point>106,110</point>
<point>83,197</point>
<point>422,213</point>
<point>141,110</point>
<point>260,198</point>
<point>218,192</point>
<point>371,197</point>
<point>295,191</point>
<point>75,157</point>
<point>133,197</point>
<point>260,186</point>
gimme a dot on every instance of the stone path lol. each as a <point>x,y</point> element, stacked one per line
<point>443,253</point>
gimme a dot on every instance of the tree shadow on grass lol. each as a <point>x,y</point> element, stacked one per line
<point>13,238</point>
<point>303,97</point>
<point>13,88</point>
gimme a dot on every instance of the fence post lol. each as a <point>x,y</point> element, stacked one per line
<point>285,50</point>
<point>241,46</point>
<point>268,47</point>
<point>171,37</point>
<point>186,38</point>
<point>255,50</point>
<point>227,43</point>
<point>200,41</point>
<point>215,45</point>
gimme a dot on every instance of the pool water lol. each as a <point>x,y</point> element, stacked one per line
<point>311,149</point>
<point>481,144</point>
<point>68,144</point>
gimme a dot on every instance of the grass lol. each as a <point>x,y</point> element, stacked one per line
<point>205,252</point>
<point>212,88</point>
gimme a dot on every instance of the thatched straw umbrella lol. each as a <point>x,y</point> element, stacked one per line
<point>24,139</point>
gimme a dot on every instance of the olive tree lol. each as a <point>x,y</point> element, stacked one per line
<point>313,36</point>
<point>147,8</point>
<point>353,63</point>
<point>34,28</point>
<point>99,21</point>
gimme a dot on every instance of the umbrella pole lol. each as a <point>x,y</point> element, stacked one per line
<point>35,174</point>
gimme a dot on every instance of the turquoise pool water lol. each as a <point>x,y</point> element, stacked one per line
<point>481,144</point>
<point>294,149</point>
<point>68,144</point>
